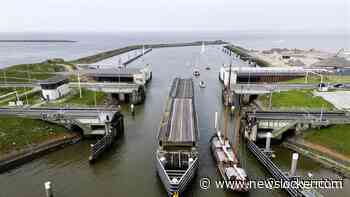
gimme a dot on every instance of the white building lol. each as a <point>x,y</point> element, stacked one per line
<point>139,76</point>
<point>55,87</point>
<point>261,74</point>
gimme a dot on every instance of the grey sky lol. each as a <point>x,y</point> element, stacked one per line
<point>170,15</point>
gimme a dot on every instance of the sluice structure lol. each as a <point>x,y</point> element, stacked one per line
<point>90,121</point>
<point>114,128</point>
<point>278,122</point>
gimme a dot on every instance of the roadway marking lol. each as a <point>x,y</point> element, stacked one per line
<point>182,117</point>
<point>191,122</point>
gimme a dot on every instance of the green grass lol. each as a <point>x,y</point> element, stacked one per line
<point>4,91</point>
<point>17,133</point>
<point>19,73</point>
<point>295,99</point>
<point>33,98</point>
<point>88,99</point>
<point>326,79</point>
<point>334,137</point>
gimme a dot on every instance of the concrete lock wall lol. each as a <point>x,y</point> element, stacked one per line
<point>224,76</point>
<point>140,79</point>
<point>272,124</point>
<point>121,96</point>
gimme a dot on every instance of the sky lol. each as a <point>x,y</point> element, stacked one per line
<point>174,15</point>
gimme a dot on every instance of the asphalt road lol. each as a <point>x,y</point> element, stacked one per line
<point>71,112</point>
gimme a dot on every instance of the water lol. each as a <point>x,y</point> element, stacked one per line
<point>91,43</point>
<point>128,168</point>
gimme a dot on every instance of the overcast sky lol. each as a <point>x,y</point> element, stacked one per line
<point>173,15</point>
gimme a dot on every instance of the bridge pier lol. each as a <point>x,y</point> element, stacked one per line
<point>293,167</point>
<point>121,97</point>
<point>48,189</point>
<point>268,142</point>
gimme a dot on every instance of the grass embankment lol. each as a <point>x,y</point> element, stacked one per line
<point>32,98</point>
<point>30,72</point>
<point>244,55</point>
<point>334,137</point>
<point>4,91</point>
<point>326,79</point>
<point>88,99</point>
<point>295,99</point>
<point>18,133</point>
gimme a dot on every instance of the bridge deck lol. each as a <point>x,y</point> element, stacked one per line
<point>67,112</point>
<point>182,88</point>
<point>179,125</point>
<point>182,121</point>
<point>292,115</point>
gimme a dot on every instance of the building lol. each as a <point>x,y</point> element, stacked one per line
<point>125,84</point>
<point>260,74</point>
<point>121,75</point>
<point>54,87</point>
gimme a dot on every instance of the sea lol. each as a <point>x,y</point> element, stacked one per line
<point>12,53</point>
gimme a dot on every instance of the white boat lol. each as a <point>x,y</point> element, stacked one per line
<point>202,84</point>
<point>203,48</point>
<point>196,72</point>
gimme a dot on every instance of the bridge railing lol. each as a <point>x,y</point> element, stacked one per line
<point>273,169</point>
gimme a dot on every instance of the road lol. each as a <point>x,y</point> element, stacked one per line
<point>182,121</point>
<point>297,115</point>
<point>71,112</point>
<point>264,88</point>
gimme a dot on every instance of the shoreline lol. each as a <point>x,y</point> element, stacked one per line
<point>111,53</point>
<point>341,167</point>
<point>16,158</point>
<point>43,41</point>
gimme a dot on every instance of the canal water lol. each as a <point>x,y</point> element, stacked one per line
<point>128,168</point>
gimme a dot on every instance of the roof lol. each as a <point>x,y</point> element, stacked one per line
<point>53,80</point>
<point>267,70</point>
<point>112,72</point>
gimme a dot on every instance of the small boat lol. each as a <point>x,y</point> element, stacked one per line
<point>207,68</point>
<point>202,84</point>
<point>196,72</point>
<point>228,164</point>
<point>203,48</point>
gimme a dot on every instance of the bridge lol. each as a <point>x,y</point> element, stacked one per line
<point>136,93</point>
<point>266,88</point>
<point>180,126</point>
<point>108,87</point>
<point>279,122</point>
<point>264,158</point>
<point>90,120</point>
<point>102,86</point>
